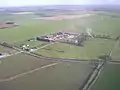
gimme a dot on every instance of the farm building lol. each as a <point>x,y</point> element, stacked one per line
<point>56,36</point>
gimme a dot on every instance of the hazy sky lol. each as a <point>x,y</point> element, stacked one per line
<point>54,2</point>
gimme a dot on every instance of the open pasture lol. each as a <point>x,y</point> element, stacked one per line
<point>108,79</point>
<point>116,51</point>
<point>6,50</point>
<point>23,72</point>
<point>29,28</point>
<point>31,44</point>
<point>63,76</point>
<point>18,64</point>
<point>91,49</point>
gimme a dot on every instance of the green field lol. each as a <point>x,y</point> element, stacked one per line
<point>6,50</point>
<point>30,28</point>
<point>31,43</point>
<point>64,76</point>
<point>20,63</point>
<point>116,51</point>
<point>108,79</point>
<point>91,49</point>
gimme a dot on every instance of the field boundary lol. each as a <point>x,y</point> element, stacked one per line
<point>28,72</point>
<point>99,69</point>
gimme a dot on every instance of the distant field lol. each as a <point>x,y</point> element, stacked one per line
<point>6,50</point>
<point>91,49</point>
<point>31,43</point>
<point>20,63</point>
<point>109,78</point>
<point>30,28</point>
<point>22,13</point>
<point>107,25</point>
<point>61,76</point>
<point>64,76</point>
<point>116,51</point>
<point>64,17</point>
<point>27,31</point>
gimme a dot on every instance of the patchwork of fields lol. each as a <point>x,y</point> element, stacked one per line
<point>109,78</point>
<point>92,49</point>
<point>116,52</point>
<point>6,50</point>
<point>65,76</point>
<point>19,63</point>
<point>25,72</point>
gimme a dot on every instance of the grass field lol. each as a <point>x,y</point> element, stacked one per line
<point>109,78</point>
<point>6,50</point>
<point>30,28</point>
<point>64,76</point>
<point>92,49</point>
<point>20,63</point>
<point>116,51</point>
<point>31,43</point>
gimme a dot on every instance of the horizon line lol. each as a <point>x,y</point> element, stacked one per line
<point>65,5</point>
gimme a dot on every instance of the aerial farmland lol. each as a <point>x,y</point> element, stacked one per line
<point>59,50</point>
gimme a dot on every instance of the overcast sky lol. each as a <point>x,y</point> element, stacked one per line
<point>55,2</point>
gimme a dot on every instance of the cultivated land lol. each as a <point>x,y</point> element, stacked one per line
<point>25,72</point>
<point>64,17</point>
<point>109,78</point>
<point>116,52</point>
<point>18,64</point>
<point>30,28</point>
<point>31,43</point>
<point>91,49</point>
<point>6,50</point>
<point>64,76</point>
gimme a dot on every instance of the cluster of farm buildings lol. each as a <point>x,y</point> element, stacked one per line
<point>64,37</point>
<point>57,36</point>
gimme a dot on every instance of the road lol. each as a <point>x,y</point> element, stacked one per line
<point>59,60</point>
<point>98,70</point>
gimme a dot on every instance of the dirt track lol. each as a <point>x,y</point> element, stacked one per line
<point>28,72</point>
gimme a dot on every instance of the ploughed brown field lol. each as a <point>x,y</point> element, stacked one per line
<point>63,17</point>
<point>7,25</point>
